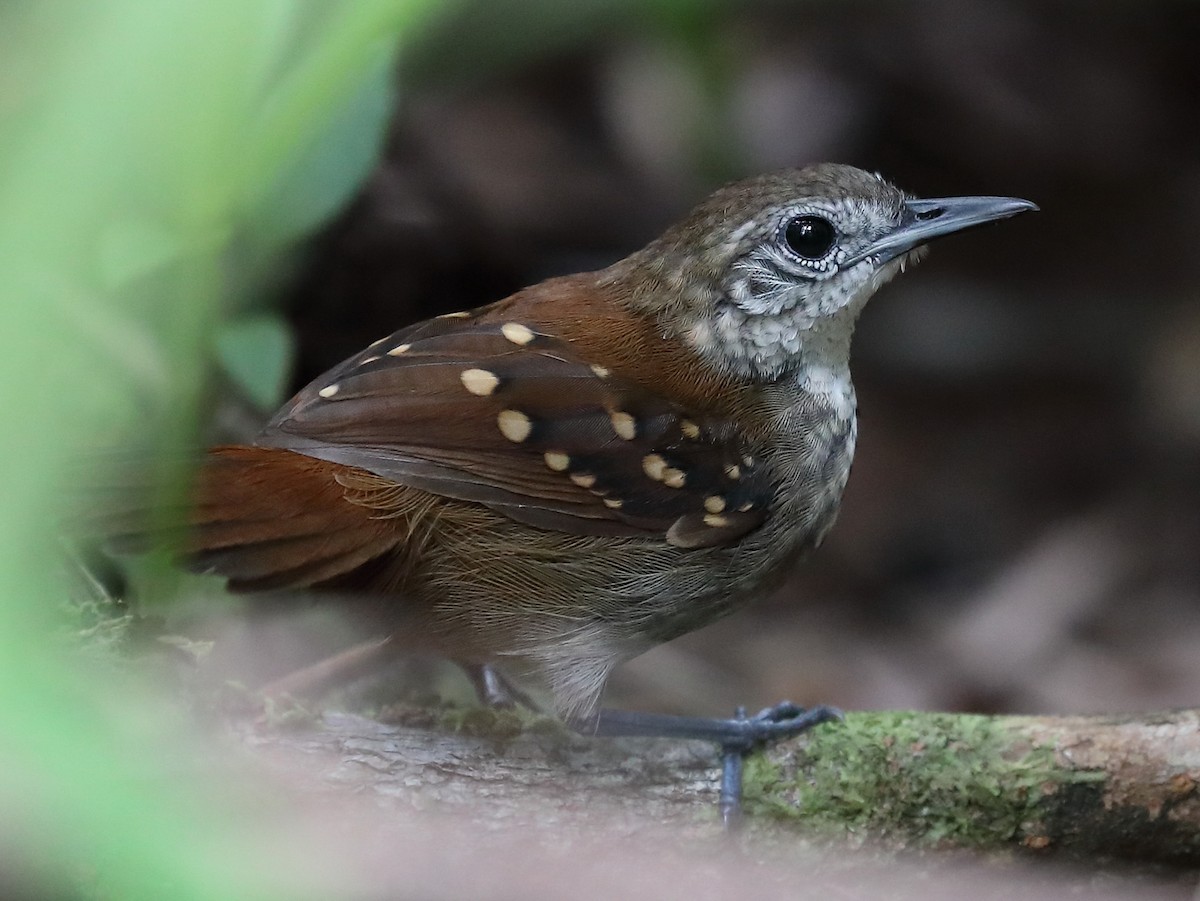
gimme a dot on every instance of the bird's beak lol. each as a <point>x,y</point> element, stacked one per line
<point>923,220</point>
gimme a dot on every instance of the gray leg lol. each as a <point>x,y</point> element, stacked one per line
<point>737,737</point>
<point>495,690</point>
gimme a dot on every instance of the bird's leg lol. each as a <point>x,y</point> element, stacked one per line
<point>736,737</point>
<point>496,690</point>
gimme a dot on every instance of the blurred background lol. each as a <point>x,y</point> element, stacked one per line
<point>216,202</point>
<point>1022,528</point>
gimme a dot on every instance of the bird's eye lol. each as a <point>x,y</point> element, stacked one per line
<point>809,237</point>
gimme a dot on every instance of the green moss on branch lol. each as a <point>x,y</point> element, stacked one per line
<point>915,778</point>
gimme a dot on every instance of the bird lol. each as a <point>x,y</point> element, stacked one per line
<point>554,483</point>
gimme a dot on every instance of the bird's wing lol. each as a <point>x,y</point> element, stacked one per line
<point>508,416</point>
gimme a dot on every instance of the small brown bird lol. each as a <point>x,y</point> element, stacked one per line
<point>597,464</point>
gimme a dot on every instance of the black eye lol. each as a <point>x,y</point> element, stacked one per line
<point>809,236</point>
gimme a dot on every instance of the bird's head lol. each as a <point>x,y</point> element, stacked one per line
<point>772,271</point>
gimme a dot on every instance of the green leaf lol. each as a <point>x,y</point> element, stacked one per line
<point>137,139</point>
<point>257,352</point>
<point>315,185</point>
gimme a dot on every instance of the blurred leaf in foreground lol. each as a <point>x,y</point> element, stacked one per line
<point>140,143</point>
<point>257,351</point>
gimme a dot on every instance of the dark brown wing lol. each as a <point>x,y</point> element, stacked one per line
<point>503,414</point>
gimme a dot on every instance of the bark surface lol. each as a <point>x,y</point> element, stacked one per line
<point>1087,787</point>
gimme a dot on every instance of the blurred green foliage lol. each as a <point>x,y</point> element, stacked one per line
<point>256,352</point>
<point>152,157</point>
<point>482,36</point>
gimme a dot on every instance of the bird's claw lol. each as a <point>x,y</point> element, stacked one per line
<point>784,720</point>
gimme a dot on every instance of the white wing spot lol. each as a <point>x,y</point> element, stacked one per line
<point>514,425</point>
<point>689,429</point>
<point>601,372</point>
<point>557,460</point>
<point>479,382</point>
<point>399,349</point>
<point>461,314</point>
<point>674,478</point>
<point>624,425</point>
<point>714,504</point>
<point>329,390</point>
<point>733,471</point>
<point>613,503</point>
<point>716,521</point>
<point>516,333</point>
<point>654,466</point>
<point>583,479</point>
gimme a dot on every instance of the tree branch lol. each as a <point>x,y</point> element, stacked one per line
<point>1111,786</point>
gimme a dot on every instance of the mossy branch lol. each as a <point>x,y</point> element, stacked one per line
<point>1086,786</point>
<point>1116,786</point>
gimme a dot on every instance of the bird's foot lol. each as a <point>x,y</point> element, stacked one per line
<point>737,737</point>
<point>771,724</point>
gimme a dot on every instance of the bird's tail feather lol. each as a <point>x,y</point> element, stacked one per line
<point>264,518</point>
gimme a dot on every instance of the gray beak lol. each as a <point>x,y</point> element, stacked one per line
<point>923,220</point>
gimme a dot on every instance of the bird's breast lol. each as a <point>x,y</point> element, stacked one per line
<point>812,431</point>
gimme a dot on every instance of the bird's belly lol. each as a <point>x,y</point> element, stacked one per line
<point>578,606</point>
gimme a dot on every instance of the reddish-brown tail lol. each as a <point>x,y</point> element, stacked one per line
<point>268,518</point>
